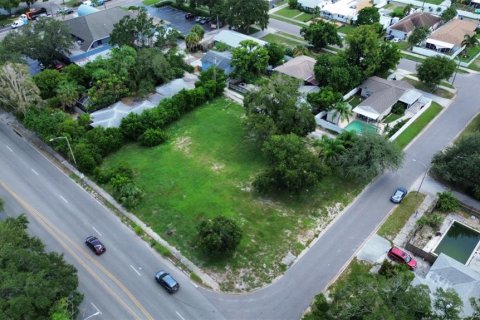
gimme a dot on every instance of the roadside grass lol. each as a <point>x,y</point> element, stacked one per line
<point>469,53</point>
<point>290,36</point>
<point>294,22</point>
<point>288,13</point>
<point>150,2</point>
<point>205,170</point>
<point>417,126</point>
<point>437,2</point>
<point>304,17</point>
<point>289,42</point>
<point>473,126</point>
<point>73,3</point>
<point>403,45</point>
<point>439,91</point>
<point>395,222</point>
<point>392,117</point>
<point>346,29</point>
<point>412,57</point>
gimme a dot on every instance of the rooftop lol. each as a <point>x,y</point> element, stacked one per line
<point>300,67</point>
<point>454,31</point>
<point>233,39</point>
<point>416,20</point>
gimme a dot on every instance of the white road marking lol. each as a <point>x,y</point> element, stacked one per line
<point>9,148</point>
<point>136,271</point>
<point>179,315</point>
<point>61,197</point>
<point>35,172</point>
<point>196,286</point>
<point>96,231</point>
<point>98,312</point>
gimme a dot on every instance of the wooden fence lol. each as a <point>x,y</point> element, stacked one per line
<point>470,210</point>
<point>427,256</point>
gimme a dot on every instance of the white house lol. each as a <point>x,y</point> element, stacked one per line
<point>233,39</point>
<point>345,11</point>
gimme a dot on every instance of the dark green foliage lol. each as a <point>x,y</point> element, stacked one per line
<point>320,34</point>
<point>134,32</point>
<point>249,60</point>
<point>105,175</point>
<point>242,14</point>
<point>87,156</point>
<point>218,236</point>
<point>398,108</point>
<point>449,13</point>
<point>390,270</point>
<point>153,137</point>
<point>431,220</point>
<point>324,100</point>
<point>459,164</point>
<point>32,281</point>
<point>292,167</point>
<point>396,127</point>
<point>132,127</point>
<point>47,81</point>
<point>447,304</point>
<point>273,109</point>
<point>106,140</point>
<point>435,69</point>
<point>368,15</point>
<point>447,202</point>
<point>126,191</point>
<point>418,35</point>
<point>293,4</point>
<point>370,156</point>
<point>217,75</point>
<point>335,72</point>
<point>76,73</point>
<point>276,52</point>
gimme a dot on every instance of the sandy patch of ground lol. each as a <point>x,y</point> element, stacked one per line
<point>183,144</point>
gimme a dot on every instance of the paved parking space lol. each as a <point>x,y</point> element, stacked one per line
<point>176,18</point>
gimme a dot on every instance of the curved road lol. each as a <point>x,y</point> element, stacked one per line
<point>120,284</point>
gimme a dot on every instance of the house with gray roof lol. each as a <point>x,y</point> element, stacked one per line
<point>404,28</point>
<point>221,60</point>
<point>381,95</point>
<point>92,31</point>
<point>448,273</point>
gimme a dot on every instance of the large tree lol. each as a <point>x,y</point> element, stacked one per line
<point>32,281</point>
<point>218,236</point>
<point>45,40</point>
<point>249,60</point>
<point>390,57</point>
<point>274,109</point>
<point>18,92</point>
<point>449,13</point>
<point>9,4</point>
<point>435,69</point>
<point>292,166</point>
<point>320,34</point>
<point>324,100</point>
<point>370,156</point>
<point>459,164</point>
<point>336,72</point>
<point>368,15</point>
<point>276,52</point>
<point>242,14</point>
<point>418,35</point>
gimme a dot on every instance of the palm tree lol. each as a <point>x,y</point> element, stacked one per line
<point>192,40</point>
<point>343,111</point>
<point>330,149</point>
<point>469,41</point>
<point>348,138</point>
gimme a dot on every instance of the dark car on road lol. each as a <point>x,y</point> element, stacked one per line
<point>65,11</point>
<point>189,16</point>
<point>398,195</point>
<point>95,244</point>
<point>401,256</point>
<point>167,281</point>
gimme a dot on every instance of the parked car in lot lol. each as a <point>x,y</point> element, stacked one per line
<point>401,256</point>
<point>205,20</point>
<point>167,281</point>
<point>33,14</point>
<point>65,11</point>
<point>95,245</point>
<point>398,195</point>
<point>189,16</point>
<point>197,19</point>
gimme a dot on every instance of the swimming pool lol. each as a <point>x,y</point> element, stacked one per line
<point>360,126</point>
<point>459,242</point>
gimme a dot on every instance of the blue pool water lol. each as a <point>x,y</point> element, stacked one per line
<point>360,126</point>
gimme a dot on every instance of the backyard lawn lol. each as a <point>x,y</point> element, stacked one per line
<point>469,53</point>
<point>392,117</point>
<point>417,126</point>
<point>288,42</point>
<point>205,169</point>
<point>346,29</point>
<point>288,13</point>
<point>395,222</point>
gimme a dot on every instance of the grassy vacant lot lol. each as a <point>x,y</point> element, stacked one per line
<point>205,170</point>
<point>395,222</point>
<point>288,42</point>
<point>417,126</point>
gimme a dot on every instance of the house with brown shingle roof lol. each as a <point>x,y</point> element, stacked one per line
<point>301,68</point>
<point>404,28</point>
<point>448,38</point>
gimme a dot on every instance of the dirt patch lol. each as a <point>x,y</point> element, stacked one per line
<point>183,144</point>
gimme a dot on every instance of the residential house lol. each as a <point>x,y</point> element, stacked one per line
<point>233,38</point>
<point>309,5</point>
<point>448,38</point>
<point>404,28</point>
<point>381,95</point>
<point>301,67</point>
<point>345,11</point>
<point>221,60</point>
<point>92,32</point>
<point>448,273</point>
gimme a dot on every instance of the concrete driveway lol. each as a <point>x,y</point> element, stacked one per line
<point>176,18</point>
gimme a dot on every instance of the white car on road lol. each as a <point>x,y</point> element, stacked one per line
<point>20,22</point>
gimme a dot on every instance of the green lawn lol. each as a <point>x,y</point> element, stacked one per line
<point>439,91</point>
<point>417,126</point>
<point>392,117</point>
<point>273,38</point>
<point>355,100</point>
<point>305,17</point>
<point>437,2</point>
<point>290,36</point>
<point>206,169</point>
<point>469,53</point>
<point>395,222</point>
<point>150,2</point>
<point>346,29</point>
<point>287,12</point>
<point>473,126</point>
<point>412,57</point>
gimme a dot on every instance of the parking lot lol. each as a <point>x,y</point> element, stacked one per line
<point>176,18</point>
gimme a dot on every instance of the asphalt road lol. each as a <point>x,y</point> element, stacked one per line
<point>117,285</point>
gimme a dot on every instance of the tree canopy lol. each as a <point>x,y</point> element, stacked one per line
<point>320,34</point>
<point>218,236</point>
<point>274,109</point>
<point>32,281</point>
<point>324,100</point>
<point>249,60</point>
<point>276,52</point>
<point>369,156</point>
<point>292,167</point>
<point>242,14</point>
<point>368,15</point>
<point>449,13</point>
<point>418,35</point>
<point>336,72</point>
<point>435,69</point>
